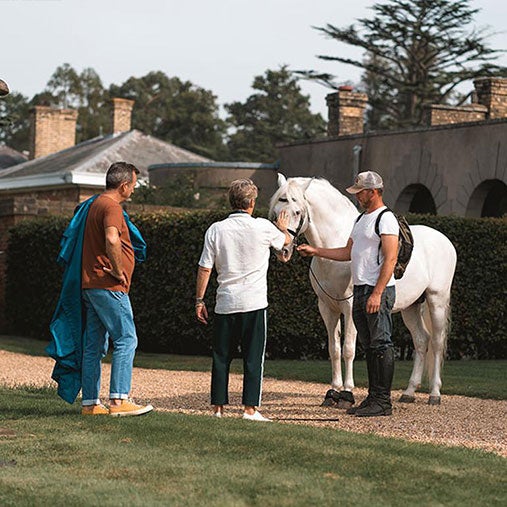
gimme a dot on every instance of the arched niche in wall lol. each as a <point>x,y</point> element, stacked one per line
<point>489,199</point>
<point>416,198</point>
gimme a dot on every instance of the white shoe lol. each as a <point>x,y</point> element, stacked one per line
<point>256,416</point>
<point>217,414</point>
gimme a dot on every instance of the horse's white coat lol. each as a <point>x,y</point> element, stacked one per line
<point>328,218</point>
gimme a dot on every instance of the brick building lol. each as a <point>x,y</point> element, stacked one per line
<point>61,174</point>
<point>456,165</point>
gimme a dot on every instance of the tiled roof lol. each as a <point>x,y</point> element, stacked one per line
<point>93,157</point>
<point>10,157</point>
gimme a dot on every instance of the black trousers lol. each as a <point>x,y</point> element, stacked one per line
<point>249,330</point>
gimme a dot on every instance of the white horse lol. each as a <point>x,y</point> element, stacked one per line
<point>326,217</point>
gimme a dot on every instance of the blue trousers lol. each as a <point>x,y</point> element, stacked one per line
<point>374,330</point>
<point>108,315</point>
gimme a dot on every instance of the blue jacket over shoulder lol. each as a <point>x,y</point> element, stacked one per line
<point>68,322</point>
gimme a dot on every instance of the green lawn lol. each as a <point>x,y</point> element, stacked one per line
<point>482,379</point>
<point>50,455</point>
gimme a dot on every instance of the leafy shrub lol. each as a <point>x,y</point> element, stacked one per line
<point>163,288</point>
<point>478,291</point>
<point>33,278</point>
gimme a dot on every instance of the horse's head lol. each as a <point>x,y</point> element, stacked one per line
<point>290,197</point>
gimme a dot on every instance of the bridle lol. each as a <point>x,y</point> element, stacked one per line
<point>295,236</point>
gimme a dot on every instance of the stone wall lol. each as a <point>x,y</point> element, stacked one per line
<point>451,161</point>
<point>217,177</point>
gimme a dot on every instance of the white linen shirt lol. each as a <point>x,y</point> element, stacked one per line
<point>238,247</point>
<point>365,246</point>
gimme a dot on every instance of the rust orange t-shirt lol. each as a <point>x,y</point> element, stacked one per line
<point>105,212</point>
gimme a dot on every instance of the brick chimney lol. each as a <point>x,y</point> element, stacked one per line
<point>51,130</point>
<point>492,93</point>
<point>122,115</point>
<point>346,112</point>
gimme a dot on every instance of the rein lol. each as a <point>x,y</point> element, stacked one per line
<point>295,236</point>
<point>324,290</point>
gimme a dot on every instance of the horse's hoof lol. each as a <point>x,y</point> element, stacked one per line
<point>333,394</point>
<point>405,398</point>
<point>346,400</point>
<point>434,400</point>
<point>331,399</point>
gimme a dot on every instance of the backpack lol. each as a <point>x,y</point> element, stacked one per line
<point>405,242</point>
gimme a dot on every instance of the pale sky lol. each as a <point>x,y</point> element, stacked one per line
<point>220,45</point>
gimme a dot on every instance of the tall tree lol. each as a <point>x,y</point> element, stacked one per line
<point>15,127</point>
<point>82,91</point>
<point>176,111</point>
<point>276,113</point>
<point>94,108</point>
<point>64,86</point>
<point>416,52</point>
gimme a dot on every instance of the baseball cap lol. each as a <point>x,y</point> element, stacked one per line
<point>366,180</point>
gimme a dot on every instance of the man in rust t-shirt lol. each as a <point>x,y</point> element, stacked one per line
<point>105,212</point>
<point>107,267</point>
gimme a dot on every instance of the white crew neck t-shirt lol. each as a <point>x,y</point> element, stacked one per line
<point>365,246</point>
<point>238,247</point>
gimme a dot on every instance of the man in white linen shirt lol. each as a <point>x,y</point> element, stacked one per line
<point>239,249</point>
<point>373,259</point>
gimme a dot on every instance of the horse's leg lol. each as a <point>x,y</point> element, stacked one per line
<point>349,351</point>
<point>438,307</point>
<point>413,319</point>
<point>332,322</point>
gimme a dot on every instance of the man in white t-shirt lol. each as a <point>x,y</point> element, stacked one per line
<point>239,248</point>
<point>373,259</point>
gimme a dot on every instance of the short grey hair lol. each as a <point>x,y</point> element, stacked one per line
<point>118,173</point>
<point>241,193</point>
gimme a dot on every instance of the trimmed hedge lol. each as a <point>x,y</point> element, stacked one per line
<point>164,286</point>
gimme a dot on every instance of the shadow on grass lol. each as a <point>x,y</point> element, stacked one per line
<point>34,402</point>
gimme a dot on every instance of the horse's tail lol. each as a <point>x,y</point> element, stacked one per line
<point>430,355</point>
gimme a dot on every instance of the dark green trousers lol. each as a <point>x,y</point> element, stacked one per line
<point>249,330</point>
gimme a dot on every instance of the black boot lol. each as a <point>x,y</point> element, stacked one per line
<point>369,369</point>
<point>380,391</point>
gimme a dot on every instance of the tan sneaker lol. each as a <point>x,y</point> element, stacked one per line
<point>94,410</point>
<point>128,408</point>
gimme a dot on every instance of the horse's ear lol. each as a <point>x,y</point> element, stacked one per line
<point>282,180</point>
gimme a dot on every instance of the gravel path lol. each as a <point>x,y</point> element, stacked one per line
<point>458,421</point>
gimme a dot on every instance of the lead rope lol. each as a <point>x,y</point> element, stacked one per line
<point>324,291</point>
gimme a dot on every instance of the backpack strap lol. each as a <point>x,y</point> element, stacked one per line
<point>377,222</point>
<point>359,217</point>
<point>377,230</point>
